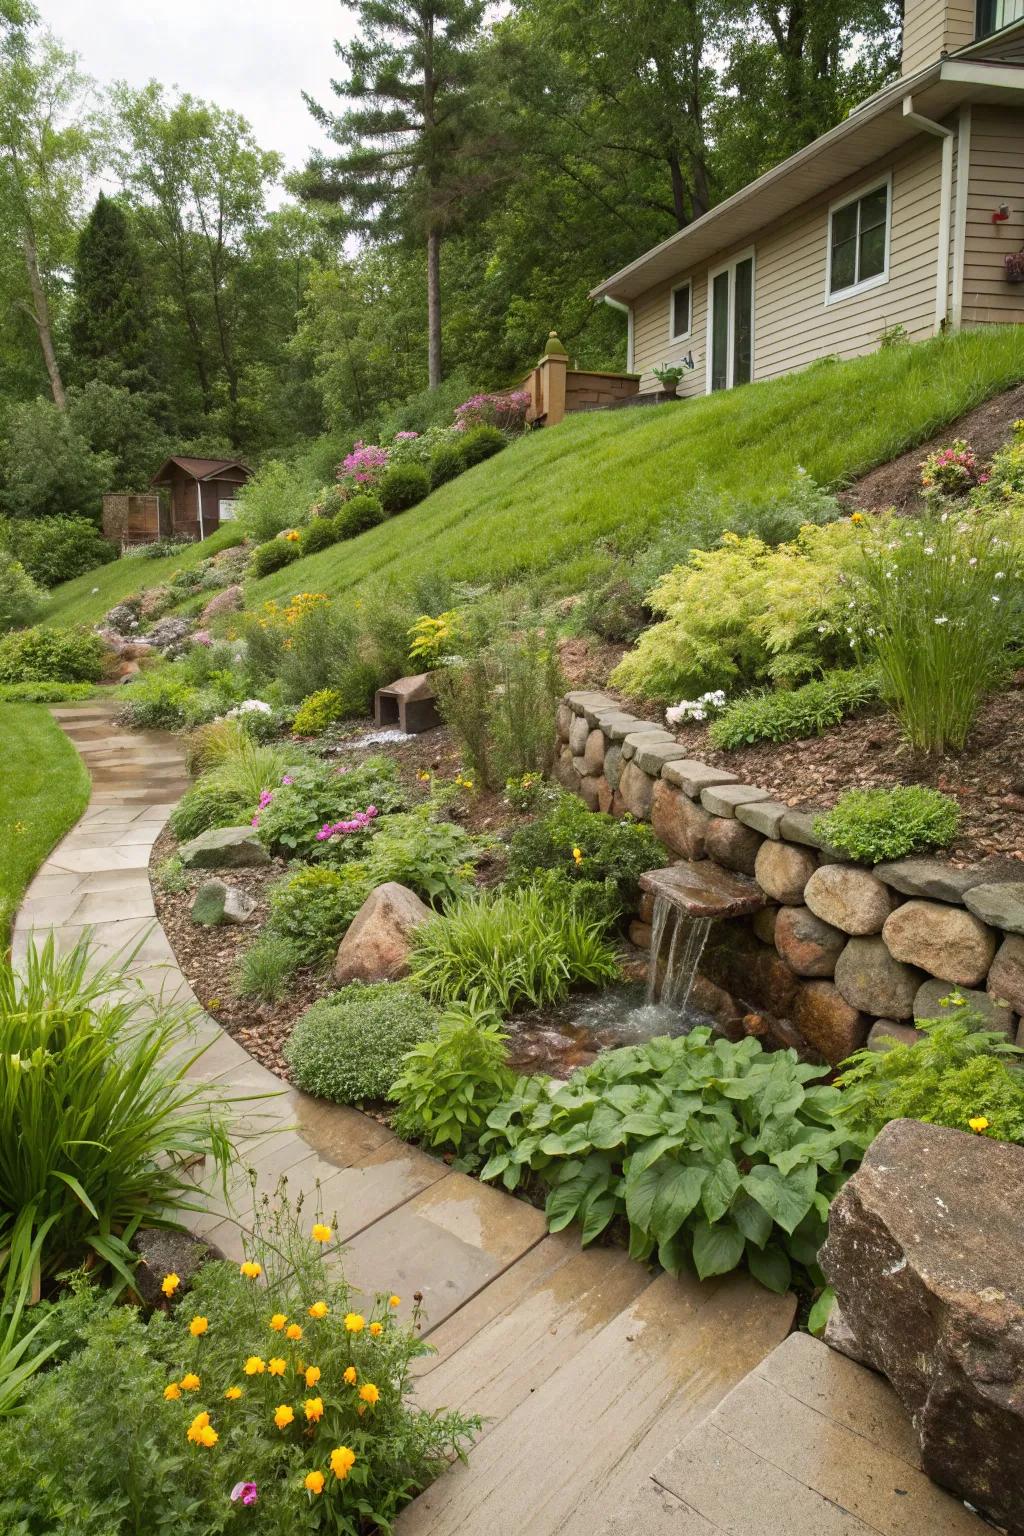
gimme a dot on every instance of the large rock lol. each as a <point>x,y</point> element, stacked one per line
<point>945,941</point>
<point>166,1252</point>
<point>579,730</point>
<point>1006,975</point>
<point>827,1021</point>
<point>224,848</point>
<point>850,899</point>
<point>701,890</point>
<point>870,979</point>
<point>924,1251</point>
<point>565,772</point>
<point>590,793</point>
<point>730,843</point>
<point>929,997</point>
<point>678,822</point>
<point>809,945</point>
<point>885,1033</point>
<point>380,937</point>
<point>636,789</point>
<point>216,902</point>
<point>613,765</point>
<point>593,754</point>
<point>229,601</point>
<point>783,871</point>
<point>928,877</point>
<point>1000,905</point>
<point>563,721</point>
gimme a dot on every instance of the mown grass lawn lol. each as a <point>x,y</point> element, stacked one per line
<point>86,599</point>
<point>44,788</point>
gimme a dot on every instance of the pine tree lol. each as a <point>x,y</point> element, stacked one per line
<point>110,332</point>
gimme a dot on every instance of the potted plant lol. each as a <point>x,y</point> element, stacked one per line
<point>1014,264</point>
<point>668,376</point>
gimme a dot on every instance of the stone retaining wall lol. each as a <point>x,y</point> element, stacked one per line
<point>840,955</point>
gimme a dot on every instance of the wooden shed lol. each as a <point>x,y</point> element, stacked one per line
<point>202,493</point>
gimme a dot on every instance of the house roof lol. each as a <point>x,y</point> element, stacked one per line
<point>199,469</point>
<point>877,127</point>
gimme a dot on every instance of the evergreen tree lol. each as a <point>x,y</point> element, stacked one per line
<point>110,332</point>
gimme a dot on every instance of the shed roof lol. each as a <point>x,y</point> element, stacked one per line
<point>199,469</point>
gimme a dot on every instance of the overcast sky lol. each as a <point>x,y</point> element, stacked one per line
<point>253,56</point>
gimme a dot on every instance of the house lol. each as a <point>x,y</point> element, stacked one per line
<point>201,496</point>
<point>901,215</point>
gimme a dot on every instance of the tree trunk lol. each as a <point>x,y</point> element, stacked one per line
<point>433,307</point>
<point>41,316</point>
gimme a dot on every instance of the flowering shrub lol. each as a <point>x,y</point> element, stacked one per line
<point>431,639</point>
<point>507,411</point>
<point>1006,472</point>
<point>363,466</point>
<point>696,709</point>
<point>322,796</point>
<point>585,846</point>
<point>433,857</point>
<point>953,470</point>
<point>273,1399</point>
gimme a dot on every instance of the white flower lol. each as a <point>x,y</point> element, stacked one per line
<point>942,620</point>
<point>1000,575</point>
<point>249,707</point>
<point>973,560</point>
<point>995,597</point>
<point>822,629</point>
<point>929,549</point>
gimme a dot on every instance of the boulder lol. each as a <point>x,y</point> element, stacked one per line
<point>379,939</point>
<point>579,730</point>
<point>640,934</point>
<point>945,941</point>
<point>677,821</point>
<point>613,765</point>
<point>589,793</point>
<point>928,1005</point>
<point>870,979</point>
<point>1006,974</point>
<point>763,924</point>
<point>208,903</point>
<point>604,795</point>
<point>565,773</point>
<point>827,1021</point>
<point>563,721</point>
<point>1000,905</point>
<point>593,753</point>
<point>848,898</point>
<point>636,790</point>
<point>924,1251</point>
<point>886,1032</point>
<point>231,600</point>
<point>224,848</point>
<point>168,1253</point>
<point>730,843</point>
<point>239,906</point>
<point>928,877</point>
<point>783,871</point>
<point>806,943</point>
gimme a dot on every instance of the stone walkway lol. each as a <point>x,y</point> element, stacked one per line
<point>589,1369</point>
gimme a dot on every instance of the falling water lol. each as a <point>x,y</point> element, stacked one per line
<point>686,945</point>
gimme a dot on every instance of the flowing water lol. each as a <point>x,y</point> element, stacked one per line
<point>673,983</point>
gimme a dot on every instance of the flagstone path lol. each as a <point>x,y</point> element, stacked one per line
<point>588,1369</point>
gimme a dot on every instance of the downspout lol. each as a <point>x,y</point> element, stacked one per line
<point>947,135</point>
<point>627,310</point>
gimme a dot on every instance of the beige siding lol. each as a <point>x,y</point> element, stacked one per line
<point>793,325</point>
<point>996,176</point>
<point>934,27</point>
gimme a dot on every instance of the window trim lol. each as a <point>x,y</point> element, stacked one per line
<point>880,278</point>
<point>673,335</point>
<point>985,12</point>
<point>750,254</point>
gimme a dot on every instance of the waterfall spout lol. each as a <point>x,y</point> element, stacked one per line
<point>686,945</point>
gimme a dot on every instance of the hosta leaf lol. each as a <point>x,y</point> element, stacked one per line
<point>678,1193</point>
<point>821,1311</point>
<point>562,1204</point>
<point>716,1249</point>
<point>752,1220</point>
<point>719,1188</point>
<point>650,1152</point>
<point>771,1267</point>
<point>787,1200</point>
<point>597,1210</point>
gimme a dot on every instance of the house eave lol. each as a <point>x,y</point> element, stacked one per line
<point>876,128</point>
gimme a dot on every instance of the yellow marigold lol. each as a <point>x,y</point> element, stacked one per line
<point>312,1375</point>
<point>283,1415</point>
<point>169,1284</point>
<point>351,1375</point>
<point>293,1332</point>
<point>278,1321</point>
<point>355,1322</point>
<point>320,1232</point>
<point>313,1408</point>
<point>577,855</point>
<point>198,1325</point>
<point>172,1391</point>
<point>376,1329</point>
<point>233,1394</point>
<point>190,1382</point>
<point>856,517</point>
<point>319,1309</point>
<point>978,1124</point>
<point>369,1393</point>
<point>314,1482</point>
<point>342,1461</point>
<point>250,1270</point>
<point>276,1366</point>
<point>254,1366</point>
<point>208,1436</point>
<point>199,1429</point>
<point>394,1301</point>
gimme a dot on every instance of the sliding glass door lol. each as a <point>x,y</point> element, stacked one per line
<point>731,324</point>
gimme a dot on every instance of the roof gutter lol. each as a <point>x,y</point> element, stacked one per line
<point>947,135</point>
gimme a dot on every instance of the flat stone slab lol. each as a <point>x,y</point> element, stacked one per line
<point>1000,905</point>
<point>650,736</point>
<point>618,726</point>
<point>765,816</point>
<point>580,698</point>
<point>723,799</point>
<point>691,776</point>
<point>928,877</point>
<point>652,759</point>
<point>703,889</point>
<point>798,827</point>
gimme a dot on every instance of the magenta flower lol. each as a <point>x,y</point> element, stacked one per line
<point>247,1493</point>
<point>286,778</point>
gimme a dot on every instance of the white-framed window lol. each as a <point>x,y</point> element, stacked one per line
<point>680,311</point>
<point>859,228</point>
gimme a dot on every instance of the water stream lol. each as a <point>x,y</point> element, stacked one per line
<point>688,936</point>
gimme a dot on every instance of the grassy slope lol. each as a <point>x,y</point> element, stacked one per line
<point>44,789</point>
<point>75,602</point>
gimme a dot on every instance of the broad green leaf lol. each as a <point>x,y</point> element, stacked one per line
<point>752,1220</point>
<point>562,1204</point>
<point>651,1151</point>
<point>821,1311</point>
<point>771,1267</point>
<point>719,1188</point>
<point>716,1249</point>
<point>597,1210</point>
<point>787,1200</point>
<point>678,1193</point>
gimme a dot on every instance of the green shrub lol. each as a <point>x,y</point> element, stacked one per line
<point>612,851</point>
<point>501,706</point>
<point>99,1123</point>
<point>244,775</point>
<point>56,549</point>
<point>713,1152</point>
<point>319,533</point>
<point>317,711</point>
<point>873,825</point>
<point>313,907</point>
<point>209,804</point>
<point>51,656</point>
<point>323,795</point>
<point>480,443</point>
<point>350,1046</point>
<point>329,501</point>
<point>780,715</point>
<point>21,600</point>
<point>450,1082</point>
<point>357,515</point>
<point>265,968</point>
<point>272,556</point>
<point>957,1072</point>
<point>274,499</point>
<point>162,700</point>
<point>445,464</point>
<point>433,858</point>
<point>511,949</point>
<point>402,486</point>
<point>45,693</point>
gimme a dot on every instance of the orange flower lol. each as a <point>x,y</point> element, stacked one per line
<point>233,1394</point>
<point>394,1301</point>
<point>254,1366</point>
<point>250,1270</point>
<point>376,1329</point>
<point>355,1322</point>
<point>369,1393</point>
<point>342,1461</point>
<point>319,1309</point>
<point>312,1375</point>
<point>283,1415</point>
<point>313,1408</point>
<point>172,1391</point>
<point>350,1375</point>
<point>320,1232</point>
<point>276,1366</point>
<point>198,1325</point>
<point>278,1321</point>
<point>190,1382</point>
<point>314,1482</point>
<point>169,1284</point>
<point>293,1332</point>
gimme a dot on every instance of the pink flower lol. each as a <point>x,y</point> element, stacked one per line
<point>406,437</point>
<point>286,778</point>
<point>246,1492</point>
<point>266,795</point>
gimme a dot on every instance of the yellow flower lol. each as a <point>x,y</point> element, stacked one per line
<point>376,1329</point>
<point>313,1408</point>
<point>856,517</point>
<point>201,1431</point>
<point>276,1366</point>
<point>577,855</point>
<point>198,1325</point>
<point>293,1332</point>
<point>369,1393</point>
<point>312,1375</point>
<point>172,1391</point>
<point>423,777</point>
<point>233,1394</point>
<point>254,1366</point>
<point>314,1482</point>
<point>250,1270</point>
<point>342,1461</point>
<point>283,1415</point>
<point>169,1284</point>
<point>320,1233</point>
<point>190,1382</point>
<point>978,1124</point>
<point>394,1301</point>
<point>350,1375</point>
<point>208,1436</point>
<point>355,1322</point>
<point>319,1309</point>
<point>278,1321</point>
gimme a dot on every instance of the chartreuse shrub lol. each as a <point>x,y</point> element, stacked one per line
<point>958,1074</point>
<point>222,1436</point>
<point>317,711</point>
<point>793,715</point>
<point>350,1046</point>
<point>308,817</point>
<point>51,656</point>
<point>586,847</point>
<point>312,908</point>
<point>872,825</point>
<point>45,693</point>
<point>715,1153</point>
<point>451,1081</point>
